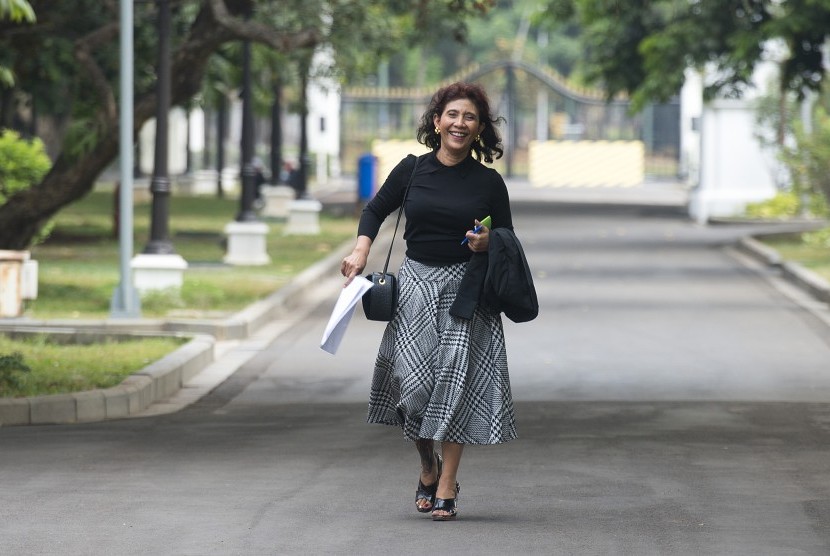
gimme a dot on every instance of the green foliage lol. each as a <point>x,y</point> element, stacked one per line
<point>783,205</point>
<point>13,371</point>
<point>788,204</point>
<point>18,11</point>
<point>805,155</point>
<point>6,77</point>
<point>22,163</point>
<point>643,47</point>
<point>67,67</point>
<point>81,137</point>
<point>809,159</point>
<point>818,239</point>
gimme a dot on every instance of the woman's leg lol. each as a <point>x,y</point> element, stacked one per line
<point>451,452</point>
<point>429,467</point>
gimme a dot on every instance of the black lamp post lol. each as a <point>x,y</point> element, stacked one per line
<point>510,145</point>
<point>221,132</point>
<point>276,133</point>
<point>160,243</point>
<point>302,177</point>
<point>246,206</point>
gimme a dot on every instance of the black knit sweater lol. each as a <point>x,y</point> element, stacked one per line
<point>442,204</point>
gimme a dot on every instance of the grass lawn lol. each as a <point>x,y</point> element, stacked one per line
<point>40,365</point>
<point>78,272</point>
<point>79,262</point>
<point>791,247</point>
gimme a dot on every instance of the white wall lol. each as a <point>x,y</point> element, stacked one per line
<point>176,141</point>
<point>725,162</point>
<point>691,110</point>
<point>734,169</point>
<point>323,123</point>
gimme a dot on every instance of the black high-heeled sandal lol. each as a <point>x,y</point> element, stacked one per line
<point>428,492</point>
<point>449,505</point>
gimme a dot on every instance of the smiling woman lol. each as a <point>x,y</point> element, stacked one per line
<point>439,376</point>
<point>458,127</point>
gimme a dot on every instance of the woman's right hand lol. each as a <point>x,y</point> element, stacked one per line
<point>354,264</point>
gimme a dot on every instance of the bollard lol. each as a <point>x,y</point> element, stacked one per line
<point>11,282</point>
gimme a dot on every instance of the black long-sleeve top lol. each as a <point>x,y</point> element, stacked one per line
<point>442,204</point>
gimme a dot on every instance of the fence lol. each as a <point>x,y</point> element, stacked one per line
<point>538,105</point>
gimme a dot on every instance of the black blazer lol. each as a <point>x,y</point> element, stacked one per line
<point>499,278</point>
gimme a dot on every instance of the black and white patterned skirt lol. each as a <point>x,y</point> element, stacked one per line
<point>440,376</point>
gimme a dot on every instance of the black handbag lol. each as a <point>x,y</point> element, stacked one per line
<point>381,301</point>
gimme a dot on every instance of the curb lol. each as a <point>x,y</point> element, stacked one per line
<point>236,327</point>
<point>160,379</point>
<point>135,393</point>
<point>803,278</point>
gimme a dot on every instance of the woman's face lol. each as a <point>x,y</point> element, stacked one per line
<point>459,125</point>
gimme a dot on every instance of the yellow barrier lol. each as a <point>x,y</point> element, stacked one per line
<point>390,153</point>
<point>586,163</point>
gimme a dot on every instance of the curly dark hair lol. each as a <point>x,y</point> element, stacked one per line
<point>489,146</point>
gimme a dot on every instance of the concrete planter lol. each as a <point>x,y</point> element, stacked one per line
<point>11,282</point>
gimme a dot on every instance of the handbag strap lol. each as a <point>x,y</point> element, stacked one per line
<point>400,211</point>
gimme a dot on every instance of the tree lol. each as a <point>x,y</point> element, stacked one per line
<point>643,47</point>
<point>68,63</point>
<point>16,11</point>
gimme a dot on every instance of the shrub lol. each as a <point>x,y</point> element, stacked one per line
<point>809,160</point>
<point>804,155</point>
<point>12,371</point>
<point>783,205</point>
<point>787,204</point>
<point>22,163</point>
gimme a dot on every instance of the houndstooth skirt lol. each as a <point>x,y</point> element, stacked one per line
<point>439,376</point>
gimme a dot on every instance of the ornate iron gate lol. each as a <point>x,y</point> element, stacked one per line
<point>537,103</point>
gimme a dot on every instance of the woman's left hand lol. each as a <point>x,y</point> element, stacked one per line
<point>478,242</point>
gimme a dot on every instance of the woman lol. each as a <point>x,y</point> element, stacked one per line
<point>442,378</point>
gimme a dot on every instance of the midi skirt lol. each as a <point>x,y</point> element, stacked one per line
<point>438,376</point>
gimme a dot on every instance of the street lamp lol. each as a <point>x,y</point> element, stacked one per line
<point>158,267</point>
<point>246,205</point>
<point>302,176</point>
<point>247,236</point>
<point>160,243</point>
<point>276,133</point>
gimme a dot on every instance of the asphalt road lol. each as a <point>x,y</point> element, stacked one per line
<point>671,399</point>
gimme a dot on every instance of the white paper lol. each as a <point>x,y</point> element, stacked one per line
<point>342,313</point>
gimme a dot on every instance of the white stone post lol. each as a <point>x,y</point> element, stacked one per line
<point>277,200</point>
<point>154,272</point>
<point>247,244</point>
<point>303,217</point>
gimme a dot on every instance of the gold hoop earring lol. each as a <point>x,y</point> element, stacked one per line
<point>437,130</point>
<point>478,137</point>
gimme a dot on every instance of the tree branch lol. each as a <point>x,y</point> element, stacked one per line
<point>84,48</point>
<point>257,32</point>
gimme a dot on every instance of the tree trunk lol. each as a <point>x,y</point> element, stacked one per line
<point>24,214</point>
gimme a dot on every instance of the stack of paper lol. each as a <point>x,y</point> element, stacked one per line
<point>342,313</point>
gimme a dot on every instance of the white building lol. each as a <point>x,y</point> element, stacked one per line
<point>323,122</point>
<point>725,162</point>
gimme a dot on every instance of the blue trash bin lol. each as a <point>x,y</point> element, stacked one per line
<point>366,176</point>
